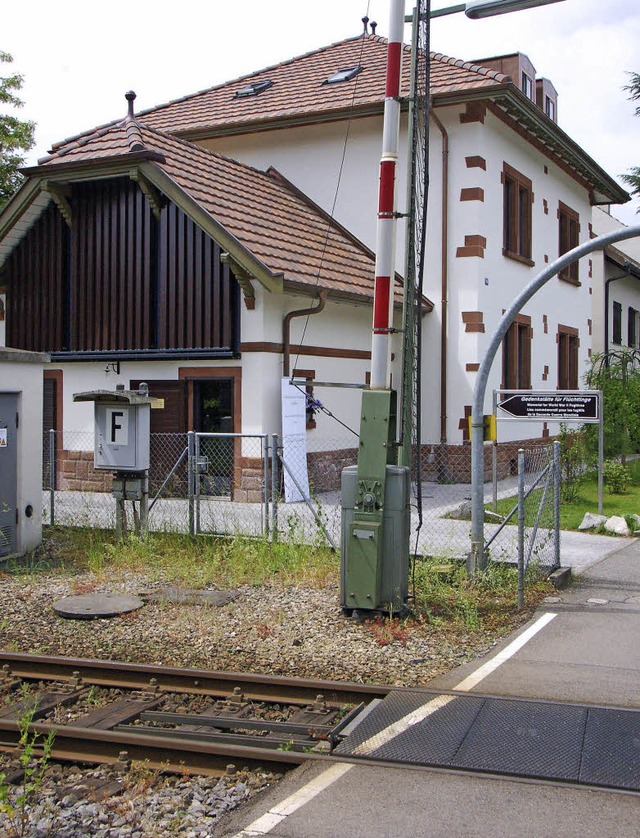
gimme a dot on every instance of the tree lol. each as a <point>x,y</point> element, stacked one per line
<point>633,176</point>
<point>16,136</point>
<point>617,374</point>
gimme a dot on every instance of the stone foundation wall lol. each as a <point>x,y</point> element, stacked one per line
<point>452,463</point>
<point>75,473</point>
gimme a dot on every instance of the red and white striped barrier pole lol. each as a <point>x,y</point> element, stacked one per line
<point>386,229</point>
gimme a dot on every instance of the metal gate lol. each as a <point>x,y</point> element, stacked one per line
<point>8,472</point>
<point>231,476</point>
<point>537,514</point>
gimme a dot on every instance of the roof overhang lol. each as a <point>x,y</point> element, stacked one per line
<point>509,104</point>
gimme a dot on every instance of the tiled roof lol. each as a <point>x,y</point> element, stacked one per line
<point>287,233</point>
<point>298,90</point>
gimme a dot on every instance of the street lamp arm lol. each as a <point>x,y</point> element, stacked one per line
<point>477,558</point>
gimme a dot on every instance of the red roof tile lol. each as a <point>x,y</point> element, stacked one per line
<point>287,233</point>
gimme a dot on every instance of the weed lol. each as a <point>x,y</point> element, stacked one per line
<point>385,630</point>
<point>17,807</point>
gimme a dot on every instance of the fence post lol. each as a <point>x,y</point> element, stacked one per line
<point>521,489</point>
<point>265,486</point>
<point>191,479</point>
<point>556,503</point>
<point>52,476</point>
<point>275,481</point>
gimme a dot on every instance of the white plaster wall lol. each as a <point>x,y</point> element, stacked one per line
<point>21,372</point>
<point>491,283</point>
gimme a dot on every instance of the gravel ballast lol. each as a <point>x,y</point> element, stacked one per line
<point>274,629</point>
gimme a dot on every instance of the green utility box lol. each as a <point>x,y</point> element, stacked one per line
<point>375,556</point>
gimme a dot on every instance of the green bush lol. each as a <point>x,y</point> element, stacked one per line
<point>616,477</point>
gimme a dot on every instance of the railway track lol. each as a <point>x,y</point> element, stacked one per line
<point>186,720</point>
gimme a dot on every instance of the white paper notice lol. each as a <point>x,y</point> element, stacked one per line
<point>3,437</point>
<point>294,442</point>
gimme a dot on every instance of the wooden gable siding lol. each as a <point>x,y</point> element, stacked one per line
<point>121,280</point>
<point>37,292</point>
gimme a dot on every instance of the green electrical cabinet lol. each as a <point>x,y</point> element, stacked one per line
<point>375,555</point>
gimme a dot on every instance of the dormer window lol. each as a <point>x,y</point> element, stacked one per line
<point>253,89</point>
<point>344,74</point>
<point>550,108</point>
<point>527,86</point>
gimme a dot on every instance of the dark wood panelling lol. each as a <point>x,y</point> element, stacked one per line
<point>35,273</point>
<point>120,280</point>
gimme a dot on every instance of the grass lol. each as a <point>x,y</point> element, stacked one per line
<point>572,513</point>
<point>487,601</point>
<point>195,563</point>
<point>446,600</point>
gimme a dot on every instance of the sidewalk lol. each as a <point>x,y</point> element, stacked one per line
<point>588,652</point>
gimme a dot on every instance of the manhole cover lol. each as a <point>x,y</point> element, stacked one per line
<point>96,606</point>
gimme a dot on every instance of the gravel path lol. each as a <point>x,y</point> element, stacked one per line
<point>278,630</point>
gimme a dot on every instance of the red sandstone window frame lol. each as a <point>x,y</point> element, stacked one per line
<point>516,355</point>
<point>568,238</point>
<point>517,215</point>
<point>568,344</point>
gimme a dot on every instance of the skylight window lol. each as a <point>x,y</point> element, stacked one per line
<point>253,89</point>
<point>344,74</point>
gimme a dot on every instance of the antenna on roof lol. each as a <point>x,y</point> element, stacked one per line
<point>130,96</point>
<point>365,21</point>
<point>373,26</point>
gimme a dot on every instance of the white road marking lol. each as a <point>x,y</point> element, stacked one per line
<point>264,824</point>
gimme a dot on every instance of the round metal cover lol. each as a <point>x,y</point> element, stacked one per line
<point>96,606</point>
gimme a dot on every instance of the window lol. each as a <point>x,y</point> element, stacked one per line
<point>617,323</point>
<point>518,198</point>
<point>632,328</point>
<point>516,355</point>
<point>527,86</point>
<point>312,403</point>
<point>344,74</point>
<point>568,343</point>
<point>253,89</point>
<point>568,238</point>
<point>550,108</point>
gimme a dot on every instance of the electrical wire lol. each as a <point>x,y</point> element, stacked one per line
<point>336,191</point>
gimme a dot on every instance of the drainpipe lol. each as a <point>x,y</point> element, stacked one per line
<point>629,270</point>
<point>286,330</point>
<point>445,278</point>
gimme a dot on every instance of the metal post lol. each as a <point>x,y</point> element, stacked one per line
<point>191,479</point>
<point>196,484</point>
<point>265,485</point>
<point>494,457</point>
<point>52,477</point>
<point>556,503</point>
<point>477,471</point>
<point>144,506</point>
<point>275,480</point>
<point>520,527</point>
<point>600,453</point>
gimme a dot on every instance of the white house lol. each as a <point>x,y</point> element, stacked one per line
<point>510,191</point>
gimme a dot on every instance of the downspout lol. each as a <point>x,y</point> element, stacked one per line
<point>445,277</point>
<point>286,329</point>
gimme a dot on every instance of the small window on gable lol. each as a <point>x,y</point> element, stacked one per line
<point>550,108</point>
<point>253,89</point>
<point>527,86</point>
<point>344,74</point>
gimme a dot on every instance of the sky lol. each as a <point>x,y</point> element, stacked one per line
<point>79,59</point>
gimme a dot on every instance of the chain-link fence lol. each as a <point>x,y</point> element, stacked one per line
<point>234,484</point>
